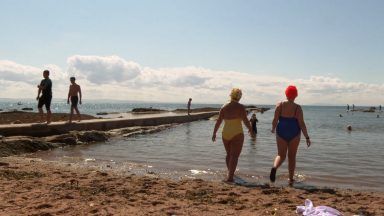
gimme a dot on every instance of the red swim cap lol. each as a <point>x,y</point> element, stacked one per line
<point>291,92</point>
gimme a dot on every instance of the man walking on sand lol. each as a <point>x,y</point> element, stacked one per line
<point>45,88</point>
<point>189,106</point>
<point>74,91</point>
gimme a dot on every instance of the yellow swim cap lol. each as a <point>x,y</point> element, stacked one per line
<point>236,94</point>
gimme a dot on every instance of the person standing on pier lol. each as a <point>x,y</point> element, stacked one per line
<point>45,88</point>
<point>74,94</point>
<point>189,106</point>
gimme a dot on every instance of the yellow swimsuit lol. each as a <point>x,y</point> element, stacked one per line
<point>232,127</point>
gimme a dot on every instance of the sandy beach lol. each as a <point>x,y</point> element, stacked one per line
<point>31,186</point>
<point>35,187</point>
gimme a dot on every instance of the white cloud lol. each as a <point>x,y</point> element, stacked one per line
<point>12,71</point>
<point>115,78</point>
<point>97,69</point>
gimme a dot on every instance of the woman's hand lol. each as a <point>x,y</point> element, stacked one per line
<point>252,133</point>
<point>308,141</point>
<point>213,137</point>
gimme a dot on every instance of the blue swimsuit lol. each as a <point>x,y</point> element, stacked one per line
<point>288,127</point>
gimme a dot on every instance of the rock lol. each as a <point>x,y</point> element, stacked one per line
<point>27,109</point>
<point>69,139</point>
<point>140,110</point>
<point>102,113</point>
<point>371,109</point>
<point>21,144</point>
<point>92,136</point>
<point>17,122</point>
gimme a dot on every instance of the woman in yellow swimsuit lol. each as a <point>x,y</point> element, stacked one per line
<point>233,113</point>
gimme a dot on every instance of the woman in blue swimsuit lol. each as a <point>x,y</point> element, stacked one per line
<point>288,123</point>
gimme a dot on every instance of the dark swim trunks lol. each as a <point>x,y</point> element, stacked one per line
<point>74,101</point>
<point>45,100</point>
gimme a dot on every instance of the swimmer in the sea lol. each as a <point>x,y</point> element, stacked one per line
<point>253,122</point>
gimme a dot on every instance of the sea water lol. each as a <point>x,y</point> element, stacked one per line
<point>336,158</point>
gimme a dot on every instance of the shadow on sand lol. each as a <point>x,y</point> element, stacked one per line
<point>297,185</point>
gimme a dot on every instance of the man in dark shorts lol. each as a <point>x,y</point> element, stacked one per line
<point>74,93</point>
<point>45,88</point>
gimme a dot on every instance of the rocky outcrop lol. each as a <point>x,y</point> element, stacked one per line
<point>102,113</point>
<point>147,110</point>
<point>25,144</point>
<point>21,144</point>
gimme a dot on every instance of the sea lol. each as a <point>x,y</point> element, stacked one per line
<point>337,158</point>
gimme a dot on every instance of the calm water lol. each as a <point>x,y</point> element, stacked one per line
<point>94,106</point>
<point>337,158</point>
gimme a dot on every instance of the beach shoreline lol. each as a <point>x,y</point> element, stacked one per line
<point>33,186</point>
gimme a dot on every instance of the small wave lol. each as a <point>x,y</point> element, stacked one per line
<point>197,172</point>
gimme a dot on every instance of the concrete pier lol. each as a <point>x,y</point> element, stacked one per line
<point>38,130</point>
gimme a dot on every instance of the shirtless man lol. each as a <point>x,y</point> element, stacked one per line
<point>74,91</point>
<point>45,88</point>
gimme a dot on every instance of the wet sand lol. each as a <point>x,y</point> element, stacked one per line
<point>35,187</point>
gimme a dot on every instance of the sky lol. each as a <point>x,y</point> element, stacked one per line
<point>168,50</point>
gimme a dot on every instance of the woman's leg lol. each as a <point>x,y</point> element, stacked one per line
<point>282,147</point>
<point>292,150</point>
<point>227,146</point>
<point>236,145</point>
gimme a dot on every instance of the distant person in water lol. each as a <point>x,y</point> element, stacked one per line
<point>45,88</point>
<point>189,106</point>
<point>289,123</point>
<point>74,94</point>
<point>347,107</point>
<point>380,108</point>
<point>353,107</point>
<point>253,122</point>
<point>349,128</point>
<point>233,113</point>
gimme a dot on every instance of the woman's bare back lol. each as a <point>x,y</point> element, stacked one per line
<point>233,110</point>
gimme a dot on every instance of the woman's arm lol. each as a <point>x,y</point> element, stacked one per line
<point>302,125</point>
<point>246,122</point>
<point>217,125</point>
<point>276,117</point>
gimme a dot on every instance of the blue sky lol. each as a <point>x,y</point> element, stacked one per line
<point>290,39</point>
